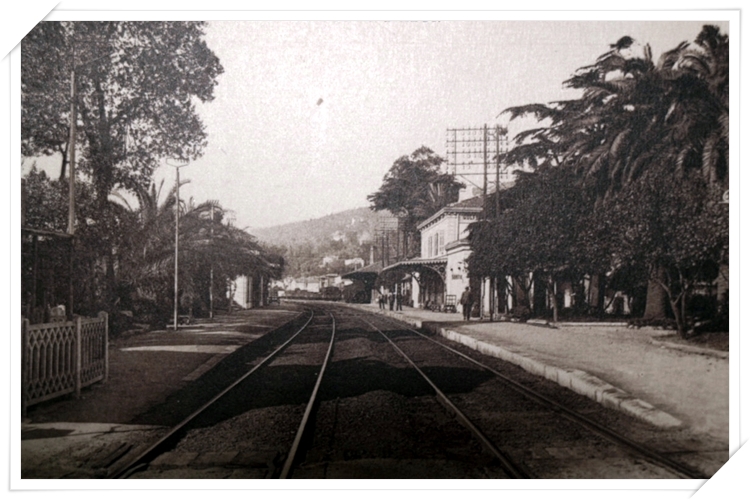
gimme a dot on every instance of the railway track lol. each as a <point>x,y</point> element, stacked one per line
<point>374,463</point>
<point>323,420</point>
<point>150,464</point>
<point>174,434</point>
<point>511,467</point>
<point>637,449</point>
<point>304,427</point>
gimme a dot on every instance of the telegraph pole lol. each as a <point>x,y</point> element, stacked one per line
<point>176,247</point>
<point>211,282</point>
<point>72,156</point>
<point>176,240</point>
<point>484,185</point>
<point>497,171</point>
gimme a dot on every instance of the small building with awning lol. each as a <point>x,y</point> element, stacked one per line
<point>365,279</point>
<point>423,279</point>
<point>439,276</point>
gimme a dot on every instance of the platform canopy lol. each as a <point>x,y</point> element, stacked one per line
<point>412,266</point>
<point>367,274</point>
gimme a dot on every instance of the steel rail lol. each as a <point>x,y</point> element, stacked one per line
<point>291,458</point>
<point>155,449</point>
<point>599,429</point>
<point>513,469</point>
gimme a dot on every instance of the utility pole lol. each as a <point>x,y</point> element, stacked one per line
<point>484,185</point>
<point>484,217</point>
<point>493,279</point>
<point>72,156</point>
<point>176,241</point>
<point>497,171</point>
<point>211,280</point>
<point>71,187</point>
<point>467,160</point>
<point>176,247</point>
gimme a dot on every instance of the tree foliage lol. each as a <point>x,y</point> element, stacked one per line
<point>413,189</point>
<point>208,245</point>
<point>138,274</point>
<point>538,231</point>
<point>136,83</point>
<point>678,228</point>
<point>634,114</point>
<point>628,177</point>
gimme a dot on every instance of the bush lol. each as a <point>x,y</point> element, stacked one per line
<point>120,321</point>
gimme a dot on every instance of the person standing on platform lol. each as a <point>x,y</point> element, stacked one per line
<point>381,301</point>
<point>467,300</point>
<point>391,299</point>
<point>399,299</point>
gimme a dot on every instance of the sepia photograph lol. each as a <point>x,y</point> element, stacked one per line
<point>374,249</point>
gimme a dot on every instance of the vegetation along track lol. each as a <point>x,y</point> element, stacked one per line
<point>602,431</point>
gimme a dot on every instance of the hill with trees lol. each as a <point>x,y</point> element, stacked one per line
<point>333,238</point>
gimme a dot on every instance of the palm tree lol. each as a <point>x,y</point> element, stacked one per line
<point>634,113</point>
<point>635,116</point>
<point>208,246</point>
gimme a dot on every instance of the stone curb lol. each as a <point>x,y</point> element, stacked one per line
<point>576,380</point>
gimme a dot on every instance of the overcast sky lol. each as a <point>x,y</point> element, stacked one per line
<point>278,154</point>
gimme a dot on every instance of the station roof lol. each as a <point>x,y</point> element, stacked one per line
<point>416,263</point>
<point>470,206</point>
<point>364,273</point>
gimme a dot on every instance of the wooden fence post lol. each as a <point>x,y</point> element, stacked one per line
<point>78,357</point>
<point>105,317</point>
<point>24,365</point>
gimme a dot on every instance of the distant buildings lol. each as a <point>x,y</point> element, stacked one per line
<point>355,263</point>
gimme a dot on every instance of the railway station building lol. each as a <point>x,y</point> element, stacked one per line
<point>439,276</point>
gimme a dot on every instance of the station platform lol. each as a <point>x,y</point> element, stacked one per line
<point>79,438</point>
<point>636,371</point>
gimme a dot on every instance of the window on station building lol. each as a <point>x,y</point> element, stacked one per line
<point>441,242</point>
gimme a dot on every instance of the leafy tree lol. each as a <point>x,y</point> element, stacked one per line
<point>413,189</point>
<point>635,116</point>
<point>208,245</point>
<point>46,208</point>
<point>679,229</point>
<point>45,97</point>
<point>136,86</point>
<point>537,233</point>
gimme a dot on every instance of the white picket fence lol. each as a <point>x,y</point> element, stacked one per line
<point>61,358</point>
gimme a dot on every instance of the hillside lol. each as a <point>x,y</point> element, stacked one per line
<point>324,245</point>
<point>358,221</point>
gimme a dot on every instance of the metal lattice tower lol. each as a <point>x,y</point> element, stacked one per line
<point>472,156</point>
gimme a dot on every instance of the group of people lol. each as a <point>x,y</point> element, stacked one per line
<point>391,300</point>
